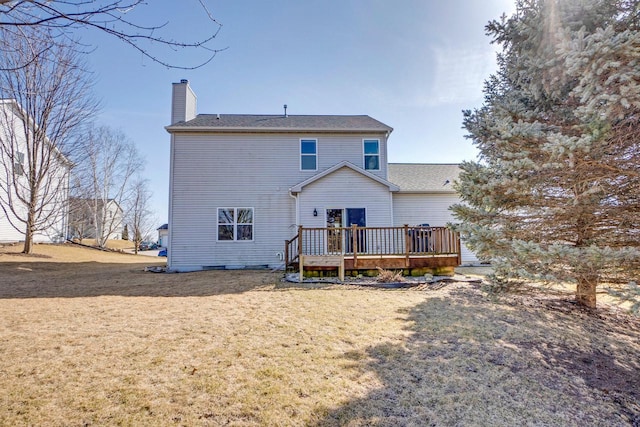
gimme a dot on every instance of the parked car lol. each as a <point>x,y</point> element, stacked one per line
<point>163,252</point>
<point>147,246</point>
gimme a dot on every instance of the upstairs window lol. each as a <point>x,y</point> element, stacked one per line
<point>235,224</point>
<point>308,154</point>
<point>18,163</point>
<point>371,154</point>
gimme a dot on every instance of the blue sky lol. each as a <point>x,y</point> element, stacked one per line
<point>412,64</point>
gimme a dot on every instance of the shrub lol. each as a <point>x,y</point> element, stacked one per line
<point>388,276</point>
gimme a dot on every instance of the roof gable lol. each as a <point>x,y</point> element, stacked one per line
<point>424,177</point>
<point>298,188</point>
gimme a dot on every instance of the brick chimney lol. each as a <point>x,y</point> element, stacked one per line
<point>183,102</point>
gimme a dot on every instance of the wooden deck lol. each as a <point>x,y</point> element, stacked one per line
<point>362,250</point>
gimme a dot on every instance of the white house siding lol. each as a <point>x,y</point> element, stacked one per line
<point>163,238</point>
<point>345,188</point>
<point>424,208</point>
<point>7,232</point>
<point>56,229</point>
<point>333,149</point>
<point>114,219</point>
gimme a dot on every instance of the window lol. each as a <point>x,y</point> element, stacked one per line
<point>308,154</point>
<point>235,224</point>
<point>371,154</point>
<point>18,165</point>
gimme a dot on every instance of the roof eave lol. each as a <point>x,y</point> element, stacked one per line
<point>427,191</point>
<point>209,129</point>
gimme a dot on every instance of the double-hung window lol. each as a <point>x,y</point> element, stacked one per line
<point>235,224</point>
<point>308,154</point>
<point>371,154</point>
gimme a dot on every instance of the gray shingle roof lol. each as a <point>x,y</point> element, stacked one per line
<point>423,177</point>
<point>265,123</point>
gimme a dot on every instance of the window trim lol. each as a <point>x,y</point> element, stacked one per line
<point>365,155</point>
<point>235,224</point>
<point>315,141</point>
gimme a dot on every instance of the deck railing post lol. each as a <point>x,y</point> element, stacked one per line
<point>459,248</point>
<point>407,244</point>
<point>299,240</point>
<point>354,245</point>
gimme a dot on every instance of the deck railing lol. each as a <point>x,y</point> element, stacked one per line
<point>357,241</point>
<point>291,250</point>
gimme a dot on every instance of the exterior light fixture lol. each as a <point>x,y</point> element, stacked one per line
<point>315,212</point>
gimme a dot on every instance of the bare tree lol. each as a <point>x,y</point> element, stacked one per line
<point>103,181</point>
<point>113,17</point>
<point>45,103</point>
<point>140,217</point>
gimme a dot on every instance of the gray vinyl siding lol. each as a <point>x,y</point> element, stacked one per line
<point>432,209</point>
<point>231,170</point>
<point>335,149</point>
<point>211,171</point>
<point>179,100</point>
<point>345,188</point>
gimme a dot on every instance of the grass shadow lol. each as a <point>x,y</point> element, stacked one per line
<point>469,362</point>
<point>89,279</point>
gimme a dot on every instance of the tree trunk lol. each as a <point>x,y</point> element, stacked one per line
<point>586,292</point>
<point>28,233</point>
<point>28,241</point>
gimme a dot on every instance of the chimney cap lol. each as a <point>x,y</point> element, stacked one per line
<point>184,81</point>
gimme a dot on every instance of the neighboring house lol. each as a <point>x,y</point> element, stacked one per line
<point>85,224</point>
<point>163,235</point>
<point>240,185</point>
<point>13,180</point>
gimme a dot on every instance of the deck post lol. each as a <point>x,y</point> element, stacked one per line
<point>354,245</point>
<point>407,244</point>
<point>459,248</point>
<point>300,268</point>
<point>286,253</point>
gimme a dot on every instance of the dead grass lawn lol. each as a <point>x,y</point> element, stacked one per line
<point>88,338</point>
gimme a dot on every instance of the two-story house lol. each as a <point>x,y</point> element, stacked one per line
<point>240,185</point>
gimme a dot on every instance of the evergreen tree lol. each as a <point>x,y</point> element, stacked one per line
<point>555,193</point>
<point>125,232</point>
